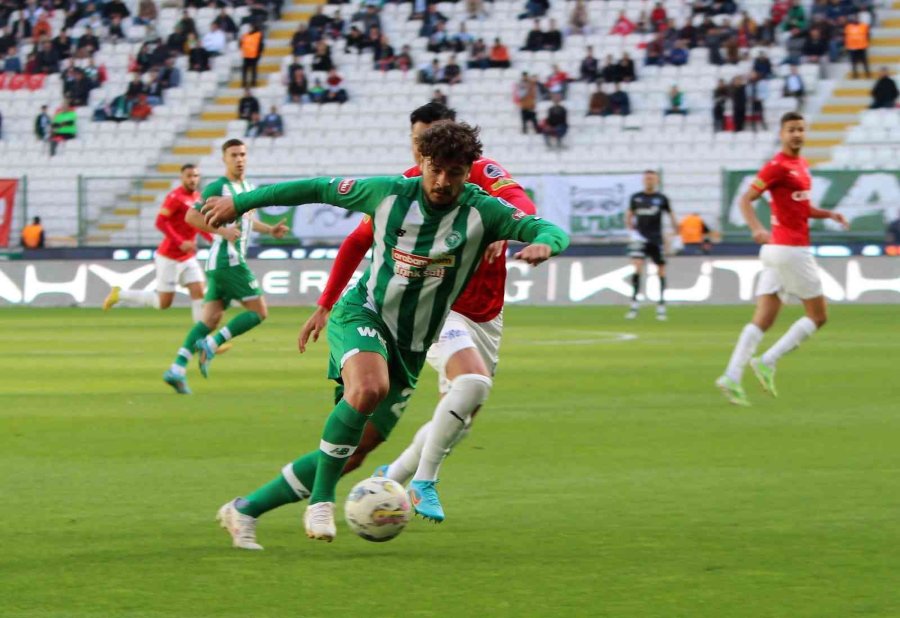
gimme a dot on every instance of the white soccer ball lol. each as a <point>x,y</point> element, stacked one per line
<point>377,509</point>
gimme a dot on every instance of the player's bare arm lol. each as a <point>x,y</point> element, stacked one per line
<point>194,218</point>
<point>760,234</point>
<point>535,254</point>
<point>313,327</point>
<point>821,213</point>
<point>275,231</point>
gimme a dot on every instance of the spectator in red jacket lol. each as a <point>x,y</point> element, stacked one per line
<point>623,25</point>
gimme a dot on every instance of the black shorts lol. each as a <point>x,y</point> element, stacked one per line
<point>647,250</point>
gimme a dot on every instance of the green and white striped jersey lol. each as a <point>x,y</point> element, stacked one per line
<point>224,254</point>
<point>422,257</point>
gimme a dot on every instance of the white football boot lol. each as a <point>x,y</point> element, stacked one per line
<point>319,521</point>
<point>242,528</point>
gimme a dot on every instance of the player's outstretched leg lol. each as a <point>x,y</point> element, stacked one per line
<point>208,346</point>
<point>176,376</point>
<point>403,468</point>
<point>733,391</point>
<point>800,331</point>
<point>112,299</point>
<point>730,382</point>
<point>451,417</point>
<point>765,375</point>
<point>242,528</point>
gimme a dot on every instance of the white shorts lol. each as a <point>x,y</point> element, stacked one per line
<point>788,271</point>
<point>459,333</point>
<point>170,273</point>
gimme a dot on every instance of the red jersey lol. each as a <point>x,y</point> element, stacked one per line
<point>788,182</point>
<point>482,300</point>
<point>170,221</point>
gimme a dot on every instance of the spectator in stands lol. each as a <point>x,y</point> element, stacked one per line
<point>499,57</point>
<point>430,21</point>
<point>20,28</point>
<point>42,125</point>
<point>76,88</point>
<point>384,55</point>
<point>534,41</point>
<point>259,13</point>
<point>334,92</point>
<point>462,39</point>
<point>525,96</point>
<point>146,14</point>
<point>321,60</point>
<point>372,39</point>
<point>619,102</point>
<point>439,97</point>
<point>87,44</point>
<point>794,87</point>
<point>757,93</point>
<point>319,22</point>
<point>11,63</point>
<point>590,68</point>
<point>298,86</point>
<point>46,59</point>
<point>762,65</point>
<point>301,41</point>
<point>371,19</point>
<point>579,19</point>
<point>336,26</point>
<point>452,73</point>
<point>623,25</point>
<point>535,8</point>
<point>732,50</point>
<point>42,28</point>
<point>884,92</point>
<point>439,40</point>
<point>187,23</point>
<point>676,103</point>
<point>247,105</point>
<point>552,39</point>
<point>64,126</point>
<point>430,73</point>
<point>404,60</point>
<point>254,126</point>
<point>169,74</point>
<point>141,110</point>
<point>33,235</point>
<point>658,17</point>
<point>679,54</point>
<point>815,48</point>
<point>721,95</point>
<point>7,40</point>
<point>214,41</point>
<point>478,56</point>
<point>31,64</point>
<point>355,39</point>
<point>475,9</point>
<point>272,124</point>
<point>558,82</point>
<point>598,104</point>
<point>795,17</point>
<point>556,124</point>
<point>612,71</point>
<point>626,68</point>
<point>317,92</point>
<point>856,42</point>
<point>136,87</point>
<point>738,103</point>
<point>654,52</point>
<point>115,8</point>
<point>252,47</point>
<point>115,31</point>
<point>226,24</point>
<point>177,41</point>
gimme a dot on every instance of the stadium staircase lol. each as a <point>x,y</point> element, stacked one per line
<point>843,111</point>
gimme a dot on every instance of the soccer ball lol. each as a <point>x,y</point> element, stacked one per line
<point>377,509</point>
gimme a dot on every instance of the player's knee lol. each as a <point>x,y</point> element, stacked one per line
<point>263,313</point>
<point>366,394</point>
<point>820,320</point>
<point>165,303</point>
<point>474,385</point>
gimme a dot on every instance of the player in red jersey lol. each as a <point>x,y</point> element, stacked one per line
<point>175,256</point>
<point>789,266</point>
<point>466,352</point>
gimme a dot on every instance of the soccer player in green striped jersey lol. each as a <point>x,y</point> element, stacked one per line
<point>227,274</point>
<point>430,235</point>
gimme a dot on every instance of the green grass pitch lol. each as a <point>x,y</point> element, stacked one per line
<point>605,477</point>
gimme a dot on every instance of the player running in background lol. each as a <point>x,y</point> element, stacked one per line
<point>466,352</point>
<point>790,268</point>
<point>643,220</point>
<point>229,278</point>
<point>175,258</point>
<point>431,233</point>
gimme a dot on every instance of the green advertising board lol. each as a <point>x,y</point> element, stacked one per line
<point>869,199</point>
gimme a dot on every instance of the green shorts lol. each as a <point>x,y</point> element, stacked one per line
<point>232,283</point>
<point>353,329</point>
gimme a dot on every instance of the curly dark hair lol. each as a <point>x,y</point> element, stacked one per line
<point>450,142</point>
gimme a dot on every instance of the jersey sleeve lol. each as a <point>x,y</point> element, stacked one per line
<point>665,205</point>
<point>497,182</point>
<point>768,176</point>
<point>506,222</point>
<point>213,189</point>
<point>351,253</point>
<point>169,209</point>
<point>357,195</point>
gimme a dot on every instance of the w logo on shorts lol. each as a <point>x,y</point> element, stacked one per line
<point>369,331</point>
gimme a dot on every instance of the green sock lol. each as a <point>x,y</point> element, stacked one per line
<point>237,326</point>
<point>288,487</point>
<point>340,437</point>
<point>198,331</point>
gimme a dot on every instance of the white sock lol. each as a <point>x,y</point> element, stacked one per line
<point>177,369</point>
<point>799,332</point>
<point>139,298</point>
<point>197,310</point>
<point>451,417</point>
<point>211,341</point>
<point>743,351</point>
<point>402,468</point>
